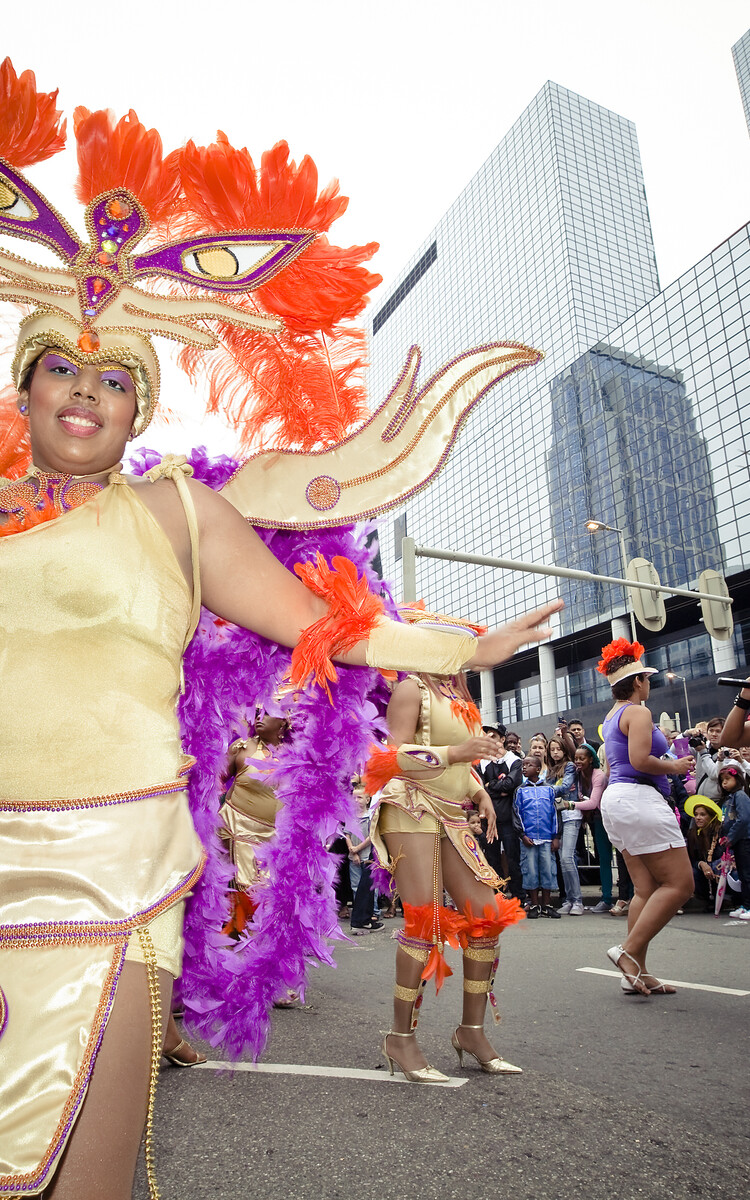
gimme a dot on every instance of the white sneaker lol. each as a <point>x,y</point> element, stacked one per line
<point>601,907</point>
<point>577,909</point>
<point>565,909</point>
<point>745,916</point>
<point>740,913</point>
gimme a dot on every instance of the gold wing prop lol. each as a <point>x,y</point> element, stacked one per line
<point>399,450</point>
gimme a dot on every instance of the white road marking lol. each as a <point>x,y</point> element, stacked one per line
<point>327,1072</point>
<point>680,983</point>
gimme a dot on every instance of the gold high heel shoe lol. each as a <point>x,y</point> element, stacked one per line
<point>426,1074</point>
<point>492,1066</point>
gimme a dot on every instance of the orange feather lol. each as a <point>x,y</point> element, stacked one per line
<point>619,648</point>
<point>382,765</point>
<point>31,127</point>
<point>124,154</point>
<point>15,446</point>
<point>286,390</point>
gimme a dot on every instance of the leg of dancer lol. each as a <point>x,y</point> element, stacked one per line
<point>413,856</point>
<point>479,961</point>
<point>100,1158</point>
<point>663,882</point>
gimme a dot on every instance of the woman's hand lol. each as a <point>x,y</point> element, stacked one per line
<point>501,644</point>
<point>472,749</point>
<point>487,813</point>
<point>684,765</point>
<point>706,870</point>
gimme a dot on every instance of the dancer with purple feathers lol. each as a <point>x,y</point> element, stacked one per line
<point>189,585</point>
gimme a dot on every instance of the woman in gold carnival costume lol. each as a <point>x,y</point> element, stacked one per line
<point>103,575</point>
<point>248,814</point>
<point>421,835</point>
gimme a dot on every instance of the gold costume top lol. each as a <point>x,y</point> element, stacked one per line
<point>96,838</point>
<point>248,813</point>
<point>410,805</point>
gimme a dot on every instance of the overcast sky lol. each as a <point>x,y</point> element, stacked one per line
<point>404,99</point>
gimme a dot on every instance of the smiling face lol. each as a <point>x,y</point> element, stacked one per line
<point>701,816</point>
<point>80,417</point>
<point>583,759</point>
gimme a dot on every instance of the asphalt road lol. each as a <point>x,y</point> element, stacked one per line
<point>622,1097</point>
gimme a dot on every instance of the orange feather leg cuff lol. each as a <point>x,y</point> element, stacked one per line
<point>352,613</point>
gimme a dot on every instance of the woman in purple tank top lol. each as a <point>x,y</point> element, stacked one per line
<point>634,808</point>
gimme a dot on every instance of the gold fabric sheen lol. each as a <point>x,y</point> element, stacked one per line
<point>96,836</point>
<point>248,815</point>
<point>398,646</point>
<point>415,806</point>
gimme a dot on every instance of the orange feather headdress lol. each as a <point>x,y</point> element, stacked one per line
<point>222,233</point>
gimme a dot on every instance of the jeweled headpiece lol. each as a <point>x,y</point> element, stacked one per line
<point>96,308</point>
<point>203,235</point>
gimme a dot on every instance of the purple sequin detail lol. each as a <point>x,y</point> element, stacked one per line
<point>46,226</point>
<point>168,260</point>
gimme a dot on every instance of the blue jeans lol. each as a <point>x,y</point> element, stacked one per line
<point>569,861</point>
<point>536,866</point>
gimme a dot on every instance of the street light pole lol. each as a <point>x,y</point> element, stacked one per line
<point>671,676</point>
<point>594,527</point>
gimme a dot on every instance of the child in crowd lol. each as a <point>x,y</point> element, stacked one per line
<point>537,822</point>
<point>736,812</point>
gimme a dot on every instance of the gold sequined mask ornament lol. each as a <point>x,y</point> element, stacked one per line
<point>94,307</point>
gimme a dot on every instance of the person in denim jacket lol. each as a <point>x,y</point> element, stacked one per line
<point>538,824</point>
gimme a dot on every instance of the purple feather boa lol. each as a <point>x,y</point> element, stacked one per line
<point>229,988</point>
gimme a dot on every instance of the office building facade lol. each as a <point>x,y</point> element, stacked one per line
<point>635,417</point>
<point>741,55</point>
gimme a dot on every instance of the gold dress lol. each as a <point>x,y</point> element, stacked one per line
<point>248,814</point>
<point>96,838</point>
<point>407,805</point>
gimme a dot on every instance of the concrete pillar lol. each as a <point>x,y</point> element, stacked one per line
<point>547,681</point>
<point>621,628</point>
<point>489,704</point>
<point>725,658</point>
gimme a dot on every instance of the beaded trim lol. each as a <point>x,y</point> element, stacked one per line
<point>414,947</point>
<point>71,933</point>
<point>405,993</point>
<point>152,975</point>
<point>158,789</point>
<point>478,986</point>
<point>32,1179</point>
<point>480,954</point>
<point>3,1012</point>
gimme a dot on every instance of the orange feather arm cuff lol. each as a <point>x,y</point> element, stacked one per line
<point>382,765</point>
<point>352,613</point>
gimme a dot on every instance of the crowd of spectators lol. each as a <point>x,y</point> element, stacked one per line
<point>547,803</point>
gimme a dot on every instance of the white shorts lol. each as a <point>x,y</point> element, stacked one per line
<point>638,819</point>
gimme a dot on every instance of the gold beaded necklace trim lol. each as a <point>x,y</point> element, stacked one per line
<point>149,955</point>
<point>157,789</point>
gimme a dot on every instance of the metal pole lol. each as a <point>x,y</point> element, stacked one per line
<point>409,568</point>
<point>628,600</point>
<point>687,702</point>
<point>512,564</point>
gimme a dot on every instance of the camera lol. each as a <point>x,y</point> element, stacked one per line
<point>697,742</point>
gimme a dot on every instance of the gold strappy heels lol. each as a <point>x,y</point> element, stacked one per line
<point>492,1066</point>
<point>426,1074</point>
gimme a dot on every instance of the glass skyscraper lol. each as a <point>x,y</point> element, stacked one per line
<point>741,53</point>
<point>636,417</point>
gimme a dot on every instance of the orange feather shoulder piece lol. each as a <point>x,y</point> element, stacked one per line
<point>31,127</point>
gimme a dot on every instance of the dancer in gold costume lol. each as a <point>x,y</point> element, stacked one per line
<point>103,578</point>
<point>421,834</point>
